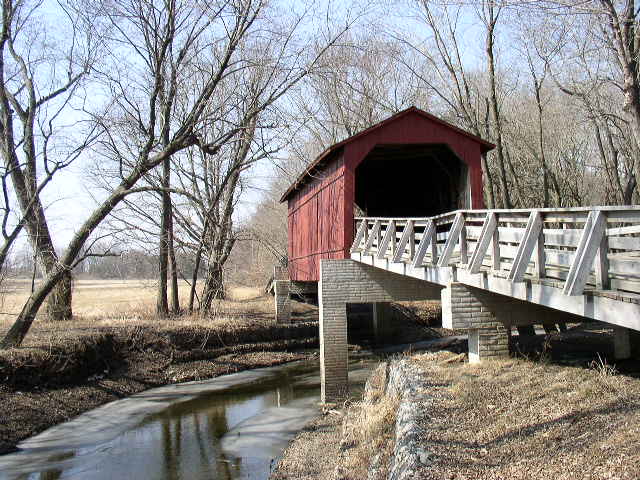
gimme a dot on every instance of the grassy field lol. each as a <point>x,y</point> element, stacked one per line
<point>99,304</point>
<point>115,298</point>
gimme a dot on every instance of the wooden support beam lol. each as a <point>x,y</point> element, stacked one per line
<point>428,238</point>
<point>373,235</point>
<point>489,227</point>
<point>525,249</point>
<point>389,236</point>
<point>364,224</point>
<point>407,235</point>
<point>452,240</point>
<point>590,242</point>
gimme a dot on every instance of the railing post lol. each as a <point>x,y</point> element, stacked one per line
<point>394,240</point>
<point>540,258</point>
<point>412,243</point>
<point>495,246</point>
<point>434,244</point>
<point>602,264</point>
<point>464,255</point>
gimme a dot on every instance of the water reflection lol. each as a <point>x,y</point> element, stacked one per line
<point>188,439</point>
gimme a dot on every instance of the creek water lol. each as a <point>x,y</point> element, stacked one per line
<point>230,427</point>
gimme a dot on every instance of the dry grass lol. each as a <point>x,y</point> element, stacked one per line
<point>107,304</point>
<point>342,443</point>
<point>367,433</point>
<point>97,299</point>
<point>519,419</point>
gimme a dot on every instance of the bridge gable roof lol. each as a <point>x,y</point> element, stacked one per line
<point>330,153</point>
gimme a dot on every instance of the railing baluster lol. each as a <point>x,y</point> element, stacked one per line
<point>359,235</point>
<point>590,241</point>
<point>428,237</point>
<point>372,236</point>
<point>389,236</point>
<point>525,249</point>
<point>486,234</point>
<point>452,240</point>
<point>407,233</point>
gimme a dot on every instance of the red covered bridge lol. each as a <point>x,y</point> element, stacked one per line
<point>412,164</point>
<point>410,188</point>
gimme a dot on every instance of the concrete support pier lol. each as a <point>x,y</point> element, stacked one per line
<point>282,296</point>
<point>382,319</point>
<point>347,281</point>
<point>465,307</point>
<point>621,343</point>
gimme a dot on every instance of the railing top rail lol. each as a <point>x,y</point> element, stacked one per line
<point>612,208</point>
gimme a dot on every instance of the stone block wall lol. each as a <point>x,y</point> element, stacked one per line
<point>481,313</point>
<point>282,300</point>
<point>347,281</point>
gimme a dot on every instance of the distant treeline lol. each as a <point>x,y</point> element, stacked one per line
<point>128,264</point>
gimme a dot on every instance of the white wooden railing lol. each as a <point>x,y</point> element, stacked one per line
<point>592,248</point>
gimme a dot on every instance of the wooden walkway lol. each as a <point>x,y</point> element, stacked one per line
<point>583,261</point>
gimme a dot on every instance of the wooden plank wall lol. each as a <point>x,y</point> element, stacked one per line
<point>316,223</point>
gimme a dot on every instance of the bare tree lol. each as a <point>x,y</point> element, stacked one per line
<point>459,90</point>
<point>34,97</point>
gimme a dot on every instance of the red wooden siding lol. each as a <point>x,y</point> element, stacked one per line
<point>316,223</point>
<point>321,211</point>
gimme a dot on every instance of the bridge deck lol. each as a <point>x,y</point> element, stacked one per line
<point>584,261</point>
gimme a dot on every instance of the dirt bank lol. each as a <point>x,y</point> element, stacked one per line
<point>48,382</point>
<point>516,418</point>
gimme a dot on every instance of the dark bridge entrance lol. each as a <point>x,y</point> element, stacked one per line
<point>411,181</point>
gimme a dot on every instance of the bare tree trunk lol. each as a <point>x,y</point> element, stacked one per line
<point>59,300</point>
<point>492,19</point>
<point>27,315</point>
<point>628,191</point>
<point>543,158</point>
<point>173,268</point>
<point>162,305</point>
<point>487,183</point>
<point>194,279</point>
<point>213,286</point>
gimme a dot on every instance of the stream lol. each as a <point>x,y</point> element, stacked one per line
<point>230,427</point>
